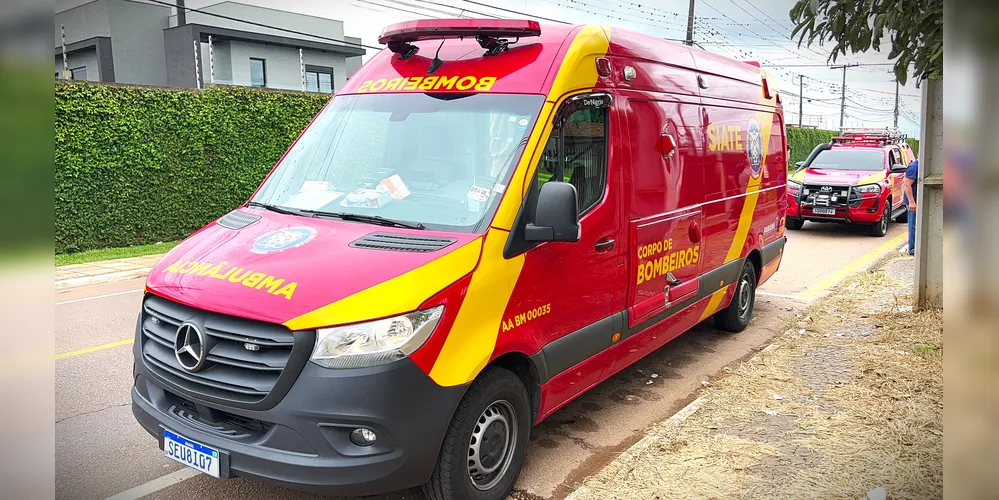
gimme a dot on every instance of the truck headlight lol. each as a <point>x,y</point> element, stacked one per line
<point>374,342</point>
<point>793,187</point>
<point>868,189</point>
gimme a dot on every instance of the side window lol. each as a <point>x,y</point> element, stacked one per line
<point>581,158</point>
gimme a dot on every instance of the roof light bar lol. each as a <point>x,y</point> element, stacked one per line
<point>488,32</point>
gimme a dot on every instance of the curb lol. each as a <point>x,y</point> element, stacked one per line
<point>646,441</point>
<point>103,278</point>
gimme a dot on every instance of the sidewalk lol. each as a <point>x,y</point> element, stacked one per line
<point>846,403</point>
<point>104,271</point>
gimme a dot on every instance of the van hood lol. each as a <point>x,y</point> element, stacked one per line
<point>838,177</point>
<point>307,273</point>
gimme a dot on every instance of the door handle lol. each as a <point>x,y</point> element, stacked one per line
<point>604,245</point>
<point>671,280</point>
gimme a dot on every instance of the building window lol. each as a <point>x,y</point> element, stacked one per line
<point>583,155</point>
<point>79,73</point>
<point>258,73</point>
<point>319,79</point>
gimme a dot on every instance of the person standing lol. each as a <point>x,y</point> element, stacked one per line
<point>909,198</point>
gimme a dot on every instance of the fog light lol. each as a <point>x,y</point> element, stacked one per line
<point>362,437</point>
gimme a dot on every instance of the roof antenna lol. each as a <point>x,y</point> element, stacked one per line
<point>436,63</point>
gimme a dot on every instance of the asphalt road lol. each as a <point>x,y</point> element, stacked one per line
<point>101,451</point>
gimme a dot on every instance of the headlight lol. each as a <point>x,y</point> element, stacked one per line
<point>868,188</point>
<point>374,342</point>
<point>793,186</point>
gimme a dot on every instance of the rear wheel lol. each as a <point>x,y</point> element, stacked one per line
<point>794,223</point>
<point>880,228</point>
<point>485,445</point>
<point>736,316</point>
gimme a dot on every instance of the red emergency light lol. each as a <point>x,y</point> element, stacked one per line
<point>488,32</point>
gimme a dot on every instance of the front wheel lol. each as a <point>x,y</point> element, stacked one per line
<point>485,445</point>
<point>794,223</point>
<point>735,318</point>
<point>880,228</point>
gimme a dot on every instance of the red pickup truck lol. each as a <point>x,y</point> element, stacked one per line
<point>856,178</point>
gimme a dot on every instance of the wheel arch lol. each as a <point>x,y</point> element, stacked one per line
<point>531,370</point>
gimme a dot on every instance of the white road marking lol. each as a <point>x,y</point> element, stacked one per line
<point>781,295</point>
<point>96,297</point>
<point>156,485</point>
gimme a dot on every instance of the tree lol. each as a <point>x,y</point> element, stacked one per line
<point>915,28</point>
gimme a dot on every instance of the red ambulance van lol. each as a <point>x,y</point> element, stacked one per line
<point>488,219</point>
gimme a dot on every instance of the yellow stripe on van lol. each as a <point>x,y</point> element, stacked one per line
<point>401,294</point>
<point>766,121</point>
<point>472,338</point>
<point>578,72</point>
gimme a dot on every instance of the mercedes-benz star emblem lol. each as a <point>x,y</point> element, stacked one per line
<point>189,347</point>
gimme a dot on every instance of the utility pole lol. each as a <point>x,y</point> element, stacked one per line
<point>801,98</point>
<point>896,102</point>
<point>690,24</point>
<point>842,105</point>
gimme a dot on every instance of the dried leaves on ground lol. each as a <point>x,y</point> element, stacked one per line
<point>851,399</point>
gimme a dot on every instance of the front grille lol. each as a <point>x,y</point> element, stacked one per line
<point>217,421</point>
<point>824,195</point>
<point>232,373</point>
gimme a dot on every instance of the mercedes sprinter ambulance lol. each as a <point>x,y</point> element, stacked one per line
<point>488,219</point>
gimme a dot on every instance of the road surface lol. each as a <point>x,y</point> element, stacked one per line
<point>101,451</point>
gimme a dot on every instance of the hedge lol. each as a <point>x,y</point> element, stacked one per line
<point>137,165</point>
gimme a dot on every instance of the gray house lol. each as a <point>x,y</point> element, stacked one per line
<point>136,42</point>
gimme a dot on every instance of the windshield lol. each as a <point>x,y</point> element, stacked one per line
<point>438,160</point>
<point>850,159</point>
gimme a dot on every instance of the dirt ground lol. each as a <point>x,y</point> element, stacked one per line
<point>848,399</point>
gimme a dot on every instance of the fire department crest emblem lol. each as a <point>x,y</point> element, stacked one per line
<point>754,147</point>
<point>283,239</point>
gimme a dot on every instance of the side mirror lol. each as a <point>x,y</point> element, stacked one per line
<point>556,218</point>
<point>898,168</point>
<point>799,164</point>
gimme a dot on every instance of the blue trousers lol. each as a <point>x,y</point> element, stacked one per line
<point>912,233</point>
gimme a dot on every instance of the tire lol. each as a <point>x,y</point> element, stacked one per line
<point>499,399</point>
<point>736,316</point>
<point>880,228</point>
<point>794,223</point>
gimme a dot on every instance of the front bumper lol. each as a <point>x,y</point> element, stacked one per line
<point>303,441</point>
<point>868,211</point>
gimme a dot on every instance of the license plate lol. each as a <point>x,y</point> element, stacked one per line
<point>824,211</point>
<point>194,455</point>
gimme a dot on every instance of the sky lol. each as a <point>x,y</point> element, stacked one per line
<point>741,29</point>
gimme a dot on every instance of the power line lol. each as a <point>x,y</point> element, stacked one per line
<point>767,15</point>
<point>514,12</point>
<point>610,16</point>
<point>421,14</point>
<point>459,9</point>
<point>262,25</point>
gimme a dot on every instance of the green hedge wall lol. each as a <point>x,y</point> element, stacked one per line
<point>138,165</point>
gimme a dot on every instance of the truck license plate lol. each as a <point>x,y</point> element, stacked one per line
<point>194,455</point>
<point>824,211</point>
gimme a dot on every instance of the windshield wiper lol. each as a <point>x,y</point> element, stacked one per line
<point>370,219</point>
<point>273,208</point>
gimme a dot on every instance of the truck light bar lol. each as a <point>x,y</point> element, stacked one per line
<point>488,32</point>
<point>871,136</point>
